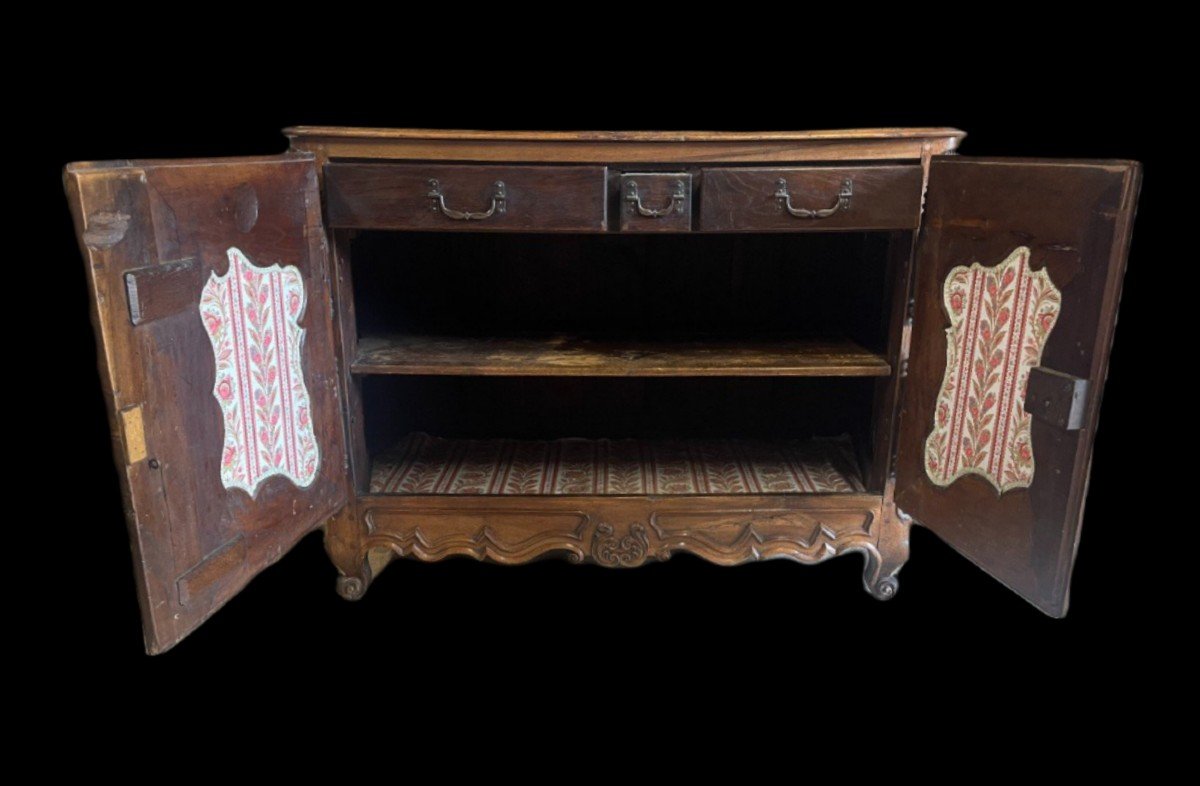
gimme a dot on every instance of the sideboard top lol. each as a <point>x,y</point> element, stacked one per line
<point>622,146</point>
<point>618,136</point>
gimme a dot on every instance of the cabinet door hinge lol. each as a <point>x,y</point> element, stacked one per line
<point>905,346</point>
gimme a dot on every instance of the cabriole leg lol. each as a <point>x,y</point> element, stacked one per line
<point>882,565</point>
<point>343,544</point>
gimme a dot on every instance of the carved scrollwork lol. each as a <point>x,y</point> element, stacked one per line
<point>351,587</point>
<point>885,589</point>
<point>730,539</point>
<point>615,551</point>
<point>417,533</point>
<point>580,530</point>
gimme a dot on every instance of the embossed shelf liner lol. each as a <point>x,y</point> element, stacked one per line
<point>423,464</point>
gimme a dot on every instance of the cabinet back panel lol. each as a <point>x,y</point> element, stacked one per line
<point>615,286</point>
<point>615,408</point>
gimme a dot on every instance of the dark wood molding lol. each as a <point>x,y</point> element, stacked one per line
<point>624,146</point>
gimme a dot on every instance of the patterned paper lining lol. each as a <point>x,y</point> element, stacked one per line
<point>251,315</point>
<point>1000,319</point>
<point>422,464</point>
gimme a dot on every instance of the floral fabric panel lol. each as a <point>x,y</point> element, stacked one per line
<point>422,464</point>
<point>1000,318</point>
<point>251,315</point>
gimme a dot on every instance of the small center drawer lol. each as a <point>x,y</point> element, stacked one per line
<point>656,201</point>
<point>448,197</point>
<point>791,199</point>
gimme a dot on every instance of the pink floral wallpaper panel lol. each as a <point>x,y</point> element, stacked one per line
<point>1000,319</point>
<point>251,315</point>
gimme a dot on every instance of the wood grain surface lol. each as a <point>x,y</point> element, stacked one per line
<point>1076,218</point>
<point>396,196</point>
<point>742,199</point>
<point>333,143</point>
<point>400,353</point>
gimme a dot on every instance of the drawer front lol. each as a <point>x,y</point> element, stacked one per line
<point>656,201</point>
<point>473,198</point>
<point>736,199</point>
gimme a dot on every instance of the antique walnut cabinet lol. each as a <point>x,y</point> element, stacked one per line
<point>604,346</point>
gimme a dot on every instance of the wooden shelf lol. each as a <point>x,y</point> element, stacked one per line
<point>567,357</point>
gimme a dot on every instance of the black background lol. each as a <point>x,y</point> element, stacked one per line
<point>674,627</point>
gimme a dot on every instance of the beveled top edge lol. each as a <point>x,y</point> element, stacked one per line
<point>349,132</point>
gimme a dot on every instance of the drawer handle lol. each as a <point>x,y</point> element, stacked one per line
<point>499,195</point>
<point>785,201</point>
<point>634,200</point>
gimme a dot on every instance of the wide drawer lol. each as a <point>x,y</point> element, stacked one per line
<point>448,197</point>
<point>737,199</point>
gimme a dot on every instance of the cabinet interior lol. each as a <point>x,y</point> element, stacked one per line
<point>692,353</point>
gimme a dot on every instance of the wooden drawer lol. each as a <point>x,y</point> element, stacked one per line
<point>449,197</point>
<point>656,201</point>
<point>736,199</point>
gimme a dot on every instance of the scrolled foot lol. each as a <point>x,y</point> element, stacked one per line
<point>351,587</point>
<point>884,589</point>
<point>879,576</point>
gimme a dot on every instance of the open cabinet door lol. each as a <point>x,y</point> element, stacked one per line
<point>1018,274</point>
<point>213,321</point>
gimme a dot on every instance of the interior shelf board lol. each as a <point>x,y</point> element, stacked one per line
<point>412,354</point>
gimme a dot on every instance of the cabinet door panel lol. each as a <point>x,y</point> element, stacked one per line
<point>213,324</point>
<point>1018,275</point>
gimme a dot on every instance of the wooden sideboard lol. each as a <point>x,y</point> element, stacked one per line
<point>605,346</point>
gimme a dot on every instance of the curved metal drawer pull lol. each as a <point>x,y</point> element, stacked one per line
<point>499,195</point>
<point>677,203</point>
<point>785,201</point>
